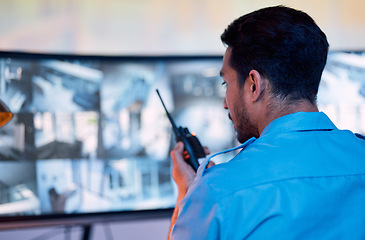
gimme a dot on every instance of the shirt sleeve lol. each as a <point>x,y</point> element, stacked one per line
<point>198,216</point>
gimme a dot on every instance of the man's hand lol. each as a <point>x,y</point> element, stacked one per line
<point>182,172</point>
<point>183,175</point>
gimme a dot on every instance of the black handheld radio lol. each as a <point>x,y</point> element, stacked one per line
<point>191,142</point>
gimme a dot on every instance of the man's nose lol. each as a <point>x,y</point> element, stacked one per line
<point>225,103</point>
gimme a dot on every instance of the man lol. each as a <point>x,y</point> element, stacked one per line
<point>297,176</point>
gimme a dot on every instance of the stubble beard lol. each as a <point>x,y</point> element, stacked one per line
<point>244,127</point>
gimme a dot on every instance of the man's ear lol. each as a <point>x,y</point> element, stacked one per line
<point>256,85</point>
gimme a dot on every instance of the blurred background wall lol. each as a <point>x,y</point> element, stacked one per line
<point>149,27</point>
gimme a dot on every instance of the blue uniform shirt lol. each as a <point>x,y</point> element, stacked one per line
<point>302,179</point>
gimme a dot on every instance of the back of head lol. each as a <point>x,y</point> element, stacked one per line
<point>284,45</point>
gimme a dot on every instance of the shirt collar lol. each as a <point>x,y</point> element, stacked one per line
<point>299,121</point>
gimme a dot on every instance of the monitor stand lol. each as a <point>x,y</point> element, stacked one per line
<point>87,231</point>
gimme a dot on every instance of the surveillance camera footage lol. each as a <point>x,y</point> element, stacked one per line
<point>91,135</point>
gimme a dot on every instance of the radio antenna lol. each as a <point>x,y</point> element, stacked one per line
<point>174,127</point>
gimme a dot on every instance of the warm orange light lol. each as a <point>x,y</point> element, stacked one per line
<point>5,118</point>
<point>5,114</point>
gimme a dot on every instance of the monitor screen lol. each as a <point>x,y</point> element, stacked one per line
<point>90,135</point>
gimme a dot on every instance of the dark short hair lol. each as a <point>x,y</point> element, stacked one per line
<point>284,45</point>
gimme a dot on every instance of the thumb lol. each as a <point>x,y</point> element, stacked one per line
<point>179,147</point>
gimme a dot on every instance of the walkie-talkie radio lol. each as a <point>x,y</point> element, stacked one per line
<point>191,142</point>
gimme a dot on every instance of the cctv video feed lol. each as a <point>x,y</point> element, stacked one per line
<point>91,135</point>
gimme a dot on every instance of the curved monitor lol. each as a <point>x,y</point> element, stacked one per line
<point>90,139</point>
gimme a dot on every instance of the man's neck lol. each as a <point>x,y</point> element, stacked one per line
<point>278,109</point>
